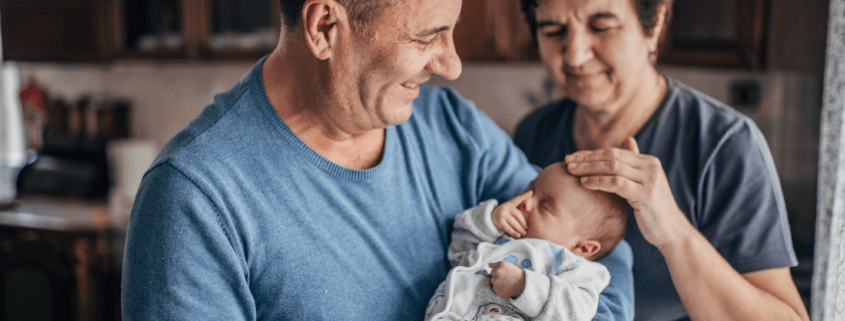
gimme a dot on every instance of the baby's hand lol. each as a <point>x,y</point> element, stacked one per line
<point>507,279</point>
<point>508,218</point>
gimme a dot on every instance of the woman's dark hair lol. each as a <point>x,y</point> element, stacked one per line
<point>361,11</point>
<point>647,11</point>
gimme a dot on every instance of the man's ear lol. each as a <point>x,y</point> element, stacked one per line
<point>320,21</point>
<point>587,248</point>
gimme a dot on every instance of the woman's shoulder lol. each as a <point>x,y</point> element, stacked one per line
<point>721,128</point>
<point>707,108</point>
<point>712,117</point>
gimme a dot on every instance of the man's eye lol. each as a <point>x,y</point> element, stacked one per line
<point>425,41</point>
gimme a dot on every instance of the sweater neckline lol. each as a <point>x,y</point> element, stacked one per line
<point>333,169</point>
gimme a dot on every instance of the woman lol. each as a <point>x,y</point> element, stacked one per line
<point>711,239</point>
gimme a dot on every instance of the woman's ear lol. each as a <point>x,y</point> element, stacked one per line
<point>320,21</point>
<point>659,27</point>
<point>587,248</point>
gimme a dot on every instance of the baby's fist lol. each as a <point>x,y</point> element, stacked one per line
<point>507,279</point>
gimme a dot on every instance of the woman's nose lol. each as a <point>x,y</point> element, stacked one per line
<point>578,48</point>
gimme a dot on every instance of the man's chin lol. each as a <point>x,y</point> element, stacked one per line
<point>401,115</point>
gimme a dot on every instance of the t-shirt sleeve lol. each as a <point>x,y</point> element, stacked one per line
<point>743,212</point>
<point>180,262</point>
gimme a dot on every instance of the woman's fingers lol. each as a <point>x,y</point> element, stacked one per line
<point>609,167</point>
<point>606,154</point>
<point>631,145</point>
<point>618,185</point>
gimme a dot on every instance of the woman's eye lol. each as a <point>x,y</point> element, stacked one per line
<point>552,32</point>
<point>601,25</point>
<point>555,33</point>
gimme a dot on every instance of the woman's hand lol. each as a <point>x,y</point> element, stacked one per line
<point>638,178</point>
<point>507,279</point>
<point>508,218</point>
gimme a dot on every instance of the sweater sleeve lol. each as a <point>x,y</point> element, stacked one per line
<point>180,261</point>
<point>502,169</point>
<point>571,294</point>
<point>472,227</point>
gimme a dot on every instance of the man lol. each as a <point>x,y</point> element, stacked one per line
<point>323,185</point>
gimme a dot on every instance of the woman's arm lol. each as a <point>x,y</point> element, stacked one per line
<point>708,285</point>
<point>712,290</point>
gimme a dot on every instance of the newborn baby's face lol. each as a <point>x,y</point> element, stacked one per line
<point>553,210</point>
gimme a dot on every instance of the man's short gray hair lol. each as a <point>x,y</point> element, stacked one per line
<point>360,11</point>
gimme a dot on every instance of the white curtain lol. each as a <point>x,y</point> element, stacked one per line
<point>828,297</point>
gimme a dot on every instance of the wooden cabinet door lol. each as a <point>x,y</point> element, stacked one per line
<point>493,30</point>
<point>720,33</point>
<point>55,30</point>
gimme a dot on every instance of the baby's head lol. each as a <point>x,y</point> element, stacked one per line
<point>589,223</point>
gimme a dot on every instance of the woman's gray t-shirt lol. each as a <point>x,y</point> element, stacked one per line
<point>722,176</point>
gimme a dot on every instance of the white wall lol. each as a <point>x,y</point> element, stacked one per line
<point>164,96</point>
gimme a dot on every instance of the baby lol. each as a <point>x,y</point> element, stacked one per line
<point>542,269</point>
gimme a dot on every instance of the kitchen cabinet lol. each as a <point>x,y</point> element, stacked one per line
<point>197,29</point>
<point>58,261</point>
<point>718,33</point>
<point>714,33</point>
<point>494,31</point>
<point>722,33</point>
<point>101,30</point>
<point>55,30</point>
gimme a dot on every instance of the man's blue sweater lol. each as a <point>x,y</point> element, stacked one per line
<point>238,219</point>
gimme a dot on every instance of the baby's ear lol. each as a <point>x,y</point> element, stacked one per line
<point>587,248</point>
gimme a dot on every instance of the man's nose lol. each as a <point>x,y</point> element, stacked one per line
<point>447,63</point>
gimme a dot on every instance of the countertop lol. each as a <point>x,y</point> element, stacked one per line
<point>56,213</point>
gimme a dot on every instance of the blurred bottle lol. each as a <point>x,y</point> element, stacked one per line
<point>33,102</point>
<point>13,152</point>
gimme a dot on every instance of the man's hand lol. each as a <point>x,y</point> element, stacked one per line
<point>508,218</point>
<point>508,280</point>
